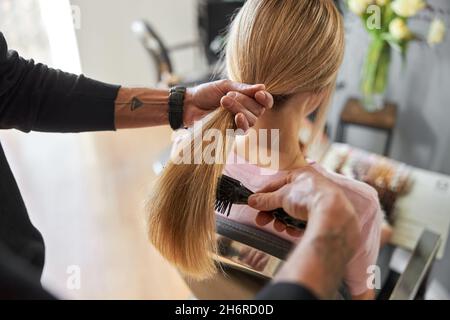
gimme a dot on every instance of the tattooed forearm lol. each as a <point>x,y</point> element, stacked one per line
<point>319,261</point>
<point>331,252</point>
<point>333,247</point>
<point>134,104</point>
<point>136,108</point>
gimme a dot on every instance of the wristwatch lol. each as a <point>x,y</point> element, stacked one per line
<point>176,106</point>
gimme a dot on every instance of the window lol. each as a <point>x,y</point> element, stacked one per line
<point>43,30</point>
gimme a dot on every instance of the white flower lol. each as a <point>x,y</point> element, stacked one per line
<point>399,30</point>
<point>437,32</point>
<point>359,7</point>
<point>408,8</point>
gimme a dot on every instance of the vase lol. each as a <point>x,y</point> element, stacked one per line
<point>375,75</point>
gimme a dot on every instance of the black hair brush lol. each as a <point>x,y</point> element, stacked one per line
<point>231,191</point>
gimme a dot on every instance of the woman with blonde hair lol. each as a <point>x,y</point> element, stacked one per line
<point>294,47</point>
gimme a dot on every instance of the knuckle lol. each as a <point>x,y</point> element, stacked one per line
<point>258,111</point>
<point>262,201</point>
<point>246,101</point>
<point>279,197</point>
<point>226,82</point>
<point>241,98</point>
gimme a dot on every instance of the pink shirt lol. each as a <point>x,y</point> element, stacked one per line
<point>363,197</point>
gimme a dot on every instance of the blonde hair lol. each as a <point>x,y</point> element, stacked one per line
<point>291,46</point>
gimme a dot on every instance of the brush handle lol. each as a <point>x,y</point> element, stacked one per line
<point>283,216</point>
<point>232,191</point>
<point>280,214</point>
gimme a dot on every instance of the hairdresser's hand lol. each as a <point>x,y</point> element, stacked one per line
<point>246,102</point>
<point>307,195</point>
<point>332,234</point>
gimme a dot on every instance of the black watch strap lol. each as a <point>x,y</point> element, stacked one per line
<point>176,106</point>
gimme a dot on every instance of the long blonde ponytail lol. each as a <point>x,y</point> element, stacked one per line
<point>291,46</point>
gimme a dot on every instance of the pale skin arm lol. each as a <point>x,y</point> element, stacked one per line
<point>246,102</point>
<point>330,240</point>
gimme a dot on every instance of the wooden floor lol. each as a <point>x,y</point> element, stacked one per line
<point>86,194</point>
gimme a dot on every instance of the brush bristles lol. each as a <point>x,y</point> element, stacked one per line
<point>230,191</point>
<point>223,206</point>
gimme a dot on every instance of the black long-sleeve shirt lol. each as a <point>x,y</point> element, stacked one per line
<point>285,291</point>
<point>35,97</point>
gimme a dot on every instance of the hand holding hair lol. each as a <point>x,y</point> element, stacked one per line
<point>246,102</point>
<point>144,107</point>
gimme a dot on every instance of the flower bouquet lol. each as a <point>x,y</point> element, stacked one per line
<point>386,22</point>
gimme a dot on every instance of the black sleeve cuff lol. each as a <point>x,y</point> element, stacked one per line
<point>89,105</point>
<point>285,291</point>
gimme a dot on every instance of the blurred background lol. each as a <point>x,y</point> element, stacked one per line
<point>86,192</point>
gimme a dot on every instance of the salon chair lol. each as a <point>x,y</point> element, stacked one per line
<point>160,55</point>
<point>155,48</point>
<point>213,18</point>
